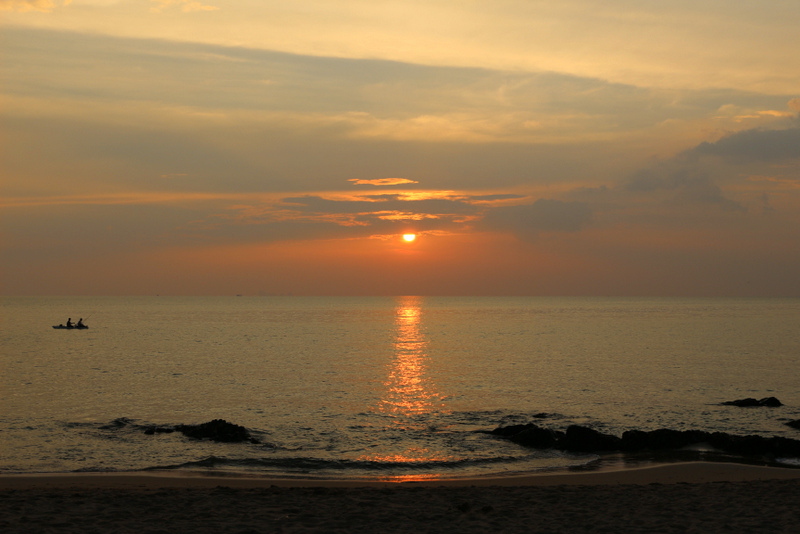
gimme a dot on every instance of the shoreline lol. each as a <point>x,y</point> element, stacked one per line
<point>672,473</point>
<point>687,497</point>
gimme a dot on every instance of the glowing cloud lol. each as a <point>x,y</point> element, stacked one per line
<point>383,181</point>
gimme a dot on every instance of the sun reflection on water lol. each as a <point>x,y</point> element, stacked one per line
<point>410,478</point>
<point>408,389</point>
<point>408,393</point>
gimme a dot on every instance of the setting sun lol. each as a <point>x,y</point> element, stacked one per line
<point>409,237</point>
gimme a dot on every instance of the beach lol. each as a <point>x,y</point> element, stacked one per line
<point>684,497</point>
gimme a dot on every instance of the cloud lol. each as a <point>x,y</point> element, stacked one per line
<point>360,98</point>
<point>44,6</point>
<point>186,6</point>
<point>383,181</point>
<point>311,217</point>
<point>690,184</point>
<point>496,197</point>
<point>780,182</point>
<point>544,215</point>
<point>694,175</point>
<point>730,46</point>
<point>380,203</point>
<point>758,145</point>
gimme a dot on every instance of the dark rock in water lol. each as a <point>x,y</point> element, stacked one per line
<point>510,430</point>
<point>744,445</point>
<point>583,439</point>
<point>661,439</point>
<point>741,403</point>
<point>756,445</point>
<point>158,430</point>
<point>794,424</point>
<point>217,430</point>
<point>635,440</point>
<point>770,402</point>
<point>785,447</point>
<point>536,437</point>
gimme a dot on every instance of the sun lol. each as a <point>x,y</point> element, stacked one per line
<point>408,238</point>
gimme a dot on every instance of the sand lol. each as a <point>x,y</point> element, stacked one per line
<point>688,497</point>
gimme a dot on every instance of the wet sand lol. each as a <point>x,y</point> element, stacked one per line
<point>687,497</point>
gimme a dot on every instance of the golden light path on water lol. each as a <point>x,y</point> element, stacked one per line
<point>408,390</point>
<point>407,387</point>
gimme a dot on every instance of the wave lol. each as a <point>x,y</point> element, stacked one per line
<point>310,465</point>
<point>460,445</point>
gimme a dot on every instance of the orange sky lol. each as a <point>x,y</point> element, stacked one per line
<point>214,147</point>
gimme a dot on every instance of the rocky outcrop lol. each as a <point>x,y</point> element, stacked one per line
<point>530,435</point>
<point>770,402</point>
<point>662,439</point>
<point>583,439</point>
<point>150,430</point>
<point>217,430</point>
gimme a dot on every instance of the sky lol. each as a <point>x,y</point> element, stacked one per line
<point>220,147</point>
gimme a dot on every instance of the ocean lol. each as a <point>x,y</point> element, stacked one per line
<point>385,388</point>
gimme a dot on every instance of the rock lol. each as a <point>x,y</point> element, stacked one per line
<point>537,437</point>
<point>785,447</point>
<point>793,424</point>
<point>742,403</point>
<point>217,430</point>
<point>158,430</point>
<point>756,445</point>
<point>744,445</point>
<point>510,430</point>
<point>661,439</point>
<point>585,439</point>
<point>770,402</point>
<point>635,440</point>
<point>529,435</point>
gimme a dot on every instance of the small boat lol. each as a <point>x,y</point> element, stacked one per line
<point>73,327</point>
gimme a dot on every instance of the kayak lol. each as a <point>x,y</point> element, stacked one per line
<point>62,327</point>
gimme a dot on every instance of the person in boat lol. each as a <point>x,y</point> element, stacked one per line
<point>80,323</point>
<point>69,322</point>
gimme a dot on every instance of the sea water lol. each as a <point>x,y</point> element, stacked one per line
<point>395,388</point>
